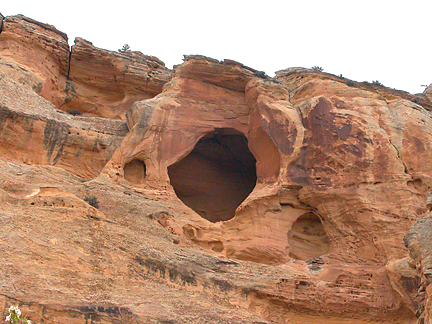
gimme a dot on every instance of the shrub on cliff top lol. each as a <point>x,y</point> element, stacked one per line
<point>376,82</point>
<point>125,48</point>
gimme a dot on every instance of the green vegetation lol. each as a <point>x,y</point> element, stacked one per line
<point>125,48</point>
<point>376,82</point>
<point>14,316</point>
<point>92,201</point>
<point>74,112</point>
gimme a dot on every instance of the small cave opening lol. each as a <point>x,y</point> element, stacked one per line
<point>216,176</point>
<point>308,238</point>
<point>135,171</point>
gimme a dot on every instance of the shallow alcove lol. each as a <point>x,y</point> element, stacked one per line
<point>308,238</point>
<point>135,171</point>
<point>216,176</point>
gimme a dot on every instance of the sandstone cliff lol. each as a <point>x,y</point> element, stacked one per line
<point>225,196</point>
<point>93,81</point>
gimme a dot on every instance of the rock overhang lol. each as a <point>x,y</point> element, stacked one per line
<point>337,178</point>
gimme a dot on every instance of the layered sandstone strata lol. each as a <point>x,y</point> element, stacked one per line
<point>419,242</point>
<point>87,79</point>
<point>327,155</point>
<point>104,83</point>
<point>227,196</point>
<point>33,131</point>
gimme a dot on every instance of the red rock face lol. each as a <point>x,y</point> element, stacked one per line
<point>42,49</point>
<point>104,83</point>
<point>94,81</point>
<point>326,156</point>
<point>282,199</point>
<point>32,131</point>
<point>419,242</point>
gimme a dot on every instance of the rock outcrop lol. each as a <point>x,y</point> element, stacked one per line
<point>83,79</point>
<point>103,83</point>
<point>419,242</point>
<point>225,196</point>
<point>33,131</point>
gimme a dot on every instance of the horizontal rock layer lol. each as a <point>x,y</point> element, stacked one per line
<point>224,195</point>
<point>94,81</point>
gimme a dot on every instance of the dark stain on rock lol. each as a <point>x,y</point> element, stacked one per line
<point>154,266</point>
<point>297,169</point>
<point>352,149</point>
<point>410,284</point>
<point>419,145</point>
<point>339,103</point>
<point>344,132</point>
<point>222,284</point>
<point>182,276</point>
<point>5,114</point>
<point>55,137</point>
<point>328,141</point>
<point>320,122</point>
<point>282,135</point>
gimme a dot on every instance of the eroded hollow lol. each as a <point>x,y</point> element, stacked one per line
<point>135,171</point>
<point>308,238</point>
<point>216,176</point>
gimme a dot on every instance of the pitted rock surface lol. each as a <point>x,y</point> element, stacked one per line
<point>225,196</point>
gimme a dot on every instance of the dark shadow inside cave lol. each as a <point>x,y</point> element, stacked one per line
<point>216,176</point>
<point>308,238</point>
<point>135,171</point>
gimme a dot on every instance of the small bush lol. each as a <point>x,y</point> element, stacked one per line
<point>74,112</point>
<point>92,201</point>
<point>317,68</point>
<point>125,48</point>
<point>261,74</point>
<point>417,101</point>
<point>350,83</point>
<point>376,82</point>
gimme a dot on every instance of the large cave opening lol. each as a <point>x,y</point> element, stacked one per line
<point>216,176</point>
<point>308,238</point>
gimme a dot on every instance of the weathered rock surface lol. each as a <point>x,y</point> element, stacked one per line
<point>104,83</point>
<point>38,49</point>
<point>327,157</point>
<point>230,197</point>
<point>93,81</point>
<point>33,131</point>
<point>419,242</point>
<point>428,92</point>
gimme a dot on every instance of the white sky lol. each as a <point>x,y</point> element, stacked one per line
<point>388,41</point>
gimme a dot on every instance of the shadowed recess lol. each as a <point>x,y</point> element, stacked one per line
<point>135,171</point>
<point>217,176</point>
<point>308,238</point>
